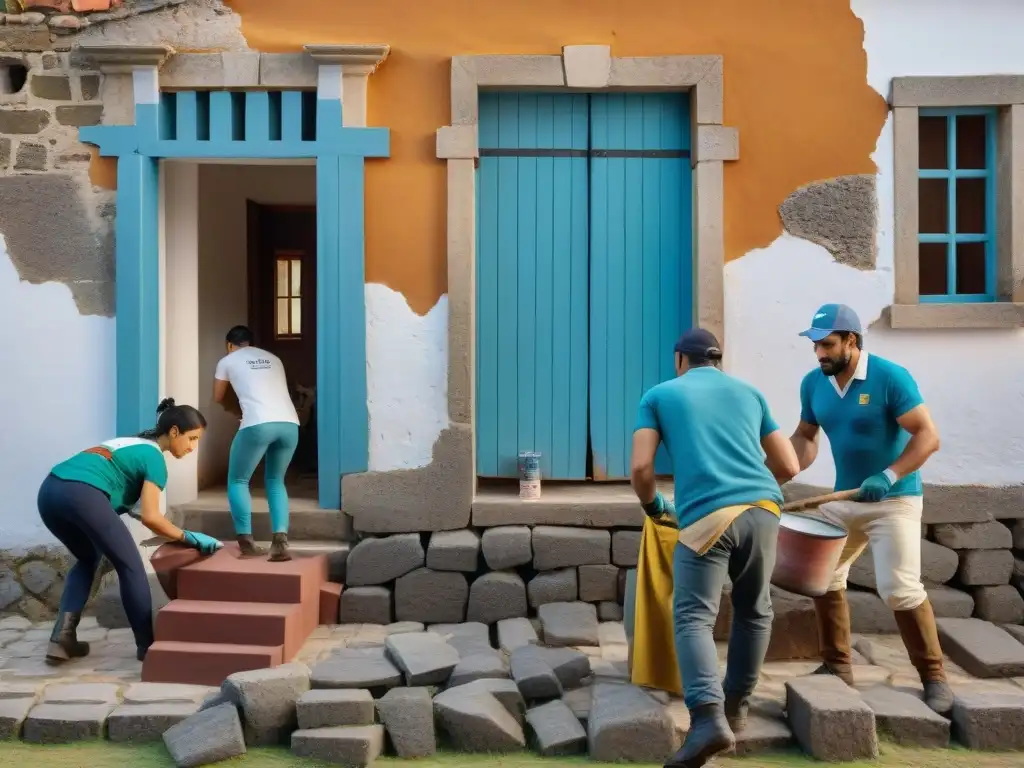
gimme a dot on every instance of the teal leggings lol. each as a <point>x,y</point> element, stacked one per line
<point>276,440</point>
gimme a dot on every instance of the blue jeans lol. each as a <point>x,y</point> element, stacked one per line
<point>746,554</point>
<point>277,441</point>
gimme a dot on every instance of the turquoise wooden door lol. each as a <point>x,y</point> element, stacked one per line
<point>532,283</point>
<point>640,261</point>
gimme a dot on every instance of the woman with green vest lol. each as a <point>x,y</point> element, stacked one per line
<point>81,502</point>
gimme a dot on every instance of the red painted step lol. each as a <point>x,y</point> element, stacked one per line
<point>208,621</point>
<point>204,663</point>
<point>228,577</point>
<point>330,602</point>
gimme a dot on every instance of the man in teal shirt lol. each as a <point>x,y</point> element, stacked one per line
<point>717,431</point>
<point>881,434</point>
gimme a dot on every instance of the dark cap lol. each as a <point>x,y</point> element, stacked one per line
<point>832,318</point>
<point>697,342</point>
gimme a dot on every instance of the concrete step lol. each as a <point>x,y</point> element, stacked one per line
<point>205,663</point>
<point>591,505</point>
<point>306,520</point>
<point>235,623</point>
<point>228,577</point>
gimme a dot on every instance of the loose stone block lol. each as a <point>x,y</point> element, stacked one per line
<point>515,633</point>
<point>365,605</point>
<point>408,716</point>
<point>12,714</point>
<point>906,718</point>
<point>559,586</point>
<point>569,624</point>
<point>469,639</point>
<point>454,551</point>
<point>570,666</point>
<point>555,730</point>
<point>533,676</point>
<point>830,720</point>
<point>166,693</point>
<point>980,648</point>
<point>354,746</point>
<point>327,708</point>
<point>598,582</point>
<point>378,561</point>
<point>495,596</point>
<point>625,724</point>
<point>609,611</point>
<point>476,721</point>
<point>480,666</point>
<point>763,734</point>
<point>869,614</point>
<point>356,668</point>
<point>989,535</point>
<point>626,548</point>
<point>424,657</point>
<point>431,596</point>
<point>1000,605</point>
<point>950,603</point>
<point>142,723</point>
<point>985,567</point>
<point>65,723</point>
<point>507,546</point>
<point>578,700</point>
<point>989,721</point>
<point>80,693</point>
<point>561,547</point>
<point>206,737</point>
<point>267,698</point>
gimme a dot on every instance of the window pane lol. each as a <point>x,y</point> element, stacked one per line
<point>296,278</point>
<point>970,206</point>
<point>970,268</point>
<point>932,143</point>
<point>933,206</point>
<point>296,316</point>
<point>970,141</point>
<point>932,269</point>
<point>282,277</point>
<point>282,317</point>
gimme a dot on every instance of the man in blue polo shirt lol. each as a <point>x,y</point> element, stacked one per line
<point>881,434</point>
<point>718,431</point>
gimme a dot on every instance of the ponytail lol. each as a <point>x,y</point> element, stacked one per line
<point>184,417</point>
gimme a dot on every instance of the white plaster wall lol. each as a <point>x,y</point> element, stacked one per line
<point>771,294</point>
<point>57,390</point>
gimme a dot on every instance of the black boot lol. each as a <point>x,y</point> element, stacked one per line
<point>709,735</point>
<point>737,708</point>
<point>248,547</point>
<point>64,643</point>
<point>279,548</point>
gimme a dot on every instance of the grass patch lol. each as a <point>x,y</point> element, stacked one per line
<point>101,754</point>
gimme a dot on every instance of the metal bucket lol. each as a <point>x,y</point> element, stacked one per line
<point>808,554</point>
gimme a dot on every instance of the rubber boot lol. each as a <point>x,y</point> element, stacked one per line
<point>64,643</point>
<point>247,545</point>
<point>737,708</point>
<point>709,735</point>
<point>279,548</point>
<point>921,638</point>
<point>834,637</point>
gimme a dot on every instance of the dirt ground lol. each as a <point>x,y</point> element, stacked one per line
<point>105,755</point>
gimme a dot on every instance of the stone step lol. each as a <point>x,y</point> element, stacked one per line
<point>306,521</point>
<point>228,577</point>
<point>235,623</point>
<point>205,663</point>
<point>589,505</point>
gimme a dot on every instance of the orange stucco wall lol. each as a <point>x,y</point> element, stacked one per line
<point>795,87</point>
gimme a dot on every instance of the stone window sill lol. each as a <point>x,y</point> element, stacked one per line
<point>1000,314</point>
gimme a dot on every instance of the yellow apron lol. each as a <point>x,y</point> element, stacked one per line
<point>654,649</point>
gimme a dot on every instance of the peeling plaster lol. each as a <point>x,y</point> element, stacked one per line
<point>839,214</point>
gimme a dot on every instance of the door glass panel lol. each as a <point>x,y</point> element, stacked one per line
<point>296,316</point>
<point>296,289</point>
<point>282,317</point>
<point>282,278</point>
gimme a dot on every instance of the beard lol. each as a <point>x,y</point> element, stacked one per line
<point>832,367</point>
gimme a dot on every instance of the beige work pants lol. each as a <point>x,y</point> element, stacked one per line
<point>891,529</point>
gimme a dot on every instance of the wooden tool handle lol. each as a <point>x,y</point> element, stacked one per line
<point>817,501</point>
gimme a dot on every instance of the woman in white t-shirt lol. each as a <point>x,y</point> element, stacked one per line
<point>270,428</point>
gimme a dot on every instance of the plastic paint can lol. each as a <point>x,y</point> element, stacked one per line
<point>529,475</point>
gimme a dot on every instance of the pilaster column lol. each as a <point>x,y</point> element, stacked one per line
<point>130,78</point>
<point>343,74</point>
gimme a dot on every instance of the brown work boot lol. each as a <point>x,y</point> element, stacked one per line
<point>834,639</point>
<point>64,643</point>
<point>279,548</point>
<point>921,638</point>
<point>249,548</point>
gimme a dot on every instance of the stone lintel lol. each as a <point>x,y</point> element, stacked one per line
<point>365,58</point>
<point>125,58</point>
<point>965,91</point>
<point>996,314</point>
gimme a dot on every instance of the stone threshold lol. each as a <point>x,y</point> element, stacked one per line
<point>211,514</point>
<point>583,504</point>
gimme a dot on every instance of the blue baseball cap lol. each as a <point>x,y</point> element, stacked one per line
<point>699,343</point>
<point>832,318</point>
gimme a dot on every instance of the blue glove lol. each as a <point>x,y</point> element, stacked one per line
<point>206,545</point>
<point>660,506</point>
<point>874,488</point>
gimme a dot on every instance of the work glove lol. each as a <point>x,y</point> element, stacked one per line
<point>874,488</point>
<point>659,507</point>
<point>206,545</point>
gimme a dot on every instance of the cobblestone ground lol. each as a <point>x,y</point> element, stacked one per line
<point>879,659</point>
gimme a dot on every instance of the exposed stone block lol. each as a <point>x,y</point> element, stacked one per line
<point>989,721</point>
<point>868,613</point>
<point>988,535</point>
<point>23,121</point>
<point>555,730</point>
<point>267,698</point>
<point>356,668</point>
<point>65,723</point>
<point>906,718</point>
<point>78,115</point>
<point>507,546</point>
<point>598,582</point>
<point>625,724</point>
<point>985,567</point>
<point>423,657</point>
<point>950,603</point>
<point>327,708</point>
<point>207,737</point>
<point>1000,605</point>
<point>562,547</point>
<point>569,624</point>
<point>454,551</point>
<point>408,716</point>
<point>90,86</point>
<point>515,633</point>
<point>30,157</point>
<point>431,596</point>
<point>838,214</point>
<point>626,548</point>
<point>365,605</point>
<point>467,638</point>
<point>558,586</point>
<point>52,87</point>
<point>12,714</point>
<point>830,720</point>
<point>355,746</point>
<point>982,649</point>
<point>476,721</point>
<point>141,723</point>
<point>609,611</point>
<point>495,596</point>
<point>533,676</point>
<point>489,665</point>
<point>379,560</point>
<point>287,70</point>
